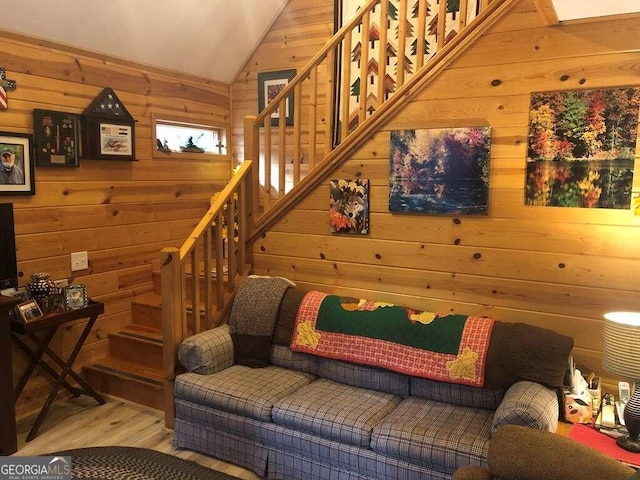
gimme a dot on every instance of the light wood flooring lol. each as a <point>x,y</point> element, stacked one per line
<point>81,422</point>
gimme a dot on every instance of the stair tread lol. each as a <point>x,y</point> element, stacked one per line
<point>142,332</point>
<point>149,298</point>
<point>129,369</point>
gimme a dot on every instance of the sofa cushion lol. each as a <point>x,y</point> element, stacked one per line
<point>434,434</point>
<point>285,358</point>
<point>456,394</point>
<point>362,376</point>
<point>242,390</point>
<point>335,411</point>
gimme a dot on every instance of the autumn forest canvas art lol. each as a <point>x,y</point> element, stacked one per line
<point>581,148</point>
<point>440,171</point>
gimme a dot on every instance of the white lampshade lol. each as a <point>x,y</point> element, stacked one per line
<point>621,345</point>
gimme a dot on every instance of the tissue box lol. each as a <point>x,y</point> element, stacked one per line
<point>578,408</point>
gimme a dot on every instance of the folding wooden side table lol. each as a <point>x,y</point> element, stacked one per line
<point>41,332</point>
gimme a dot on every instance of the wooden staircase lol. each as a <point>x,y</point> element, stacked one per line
<point>133,369</point>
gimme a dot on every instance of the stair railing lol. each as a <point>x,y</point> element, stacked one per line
<point>199,279</point>
<point>295,131</point>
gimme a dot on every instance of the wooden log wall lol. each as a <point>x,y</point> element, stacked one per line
<point>121,213</point>
<point>560,268</point>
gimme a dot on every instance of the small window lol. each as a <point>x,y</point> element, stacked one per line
<point>173,136</point>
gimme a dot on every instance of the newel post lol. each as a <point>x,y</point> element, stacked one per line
<point>172,324</point>
<point>252,152</point>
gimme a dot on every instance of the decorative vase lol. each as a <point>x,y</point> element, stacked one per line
<point>40,287</point>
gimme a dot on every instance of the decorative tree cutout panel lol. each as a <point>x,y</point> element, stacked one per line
<point>395,30</point>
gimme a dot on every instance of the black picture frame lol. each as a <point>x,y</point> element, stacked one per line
<point>56,138</point>
<point>19,178</point>
<point>29,311</point>
<point>108,139</point>
<point>270,84</point>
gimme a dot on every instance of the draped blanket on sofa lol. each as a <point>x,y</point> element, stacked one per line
<point>450,348</point>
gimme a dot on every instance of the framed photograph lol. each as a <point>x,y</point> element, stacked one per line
<point>270,84</point>
<point>57,303</point>
<point>75,296</point>
<point>56,137</point>
<point>29,311</point>
<point>16,169</point>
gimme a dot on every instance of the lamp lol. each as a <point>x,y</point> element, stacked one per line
<point>621,356</point>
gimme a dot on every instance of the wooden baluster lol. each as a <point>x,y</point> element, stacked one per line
<point>282,148</point>
<point>422,30</point>
<point>330,108</point>
<point>208,301</point>
<point>252,152</point>
<point>243,189</point>
<point>195,289</point>
<point>313,111</point>
<point>364,68</point>
<point>442,23</point>
<point>232,267</point>
<point>267,164</point>
<point>382,54</point>
<point>346,84</point>
<point>464,11</point>
<point>402,42</point>
<point>219,248</point>
<point>297,125</point>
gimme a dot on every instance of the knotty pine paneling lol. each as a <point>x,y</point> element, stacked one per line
<point>560,268</point>
<point>121,213</point>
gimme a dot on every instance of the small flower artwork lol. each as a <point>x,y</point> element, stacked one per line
<point>349,206</point>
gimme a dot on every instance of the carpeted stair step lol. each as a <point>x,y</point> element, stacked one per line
<point>137,343</point>
<point>132,381</point>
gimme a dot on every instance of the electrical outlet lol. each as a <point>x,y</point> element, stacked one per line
<point>79,261</point>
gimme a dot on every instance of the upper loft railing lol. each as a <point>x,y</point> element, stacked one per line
<point>368,62</point>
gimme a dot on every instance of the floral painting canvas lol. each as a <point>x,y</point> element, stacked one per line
<point>349,206</point>
<point>581,148</point>
<point>442,170</point>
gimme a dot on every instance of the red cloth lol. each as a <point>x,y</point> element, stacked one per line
<point>604,443</point>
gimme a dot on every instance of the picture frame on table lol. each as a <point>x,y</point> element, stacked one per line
<point>29,311</point>
<point>270,84</point>
<point>56,138</point>
<point>75,296</point>
<point>17,164</point>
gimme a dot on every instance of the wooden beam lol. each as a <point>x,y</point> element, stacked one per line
<point>547,11</point>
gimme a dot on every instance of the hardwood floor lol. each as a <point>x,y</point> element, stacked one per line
<point>81,422</point>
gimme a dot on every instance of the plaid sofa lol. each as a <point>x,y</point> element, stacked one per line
<point>306,417</point>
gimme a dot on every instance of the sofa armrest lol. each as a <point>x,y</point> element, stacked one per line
<point>472,472</point>
<point>528,404</point>
<point>207,352</point>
